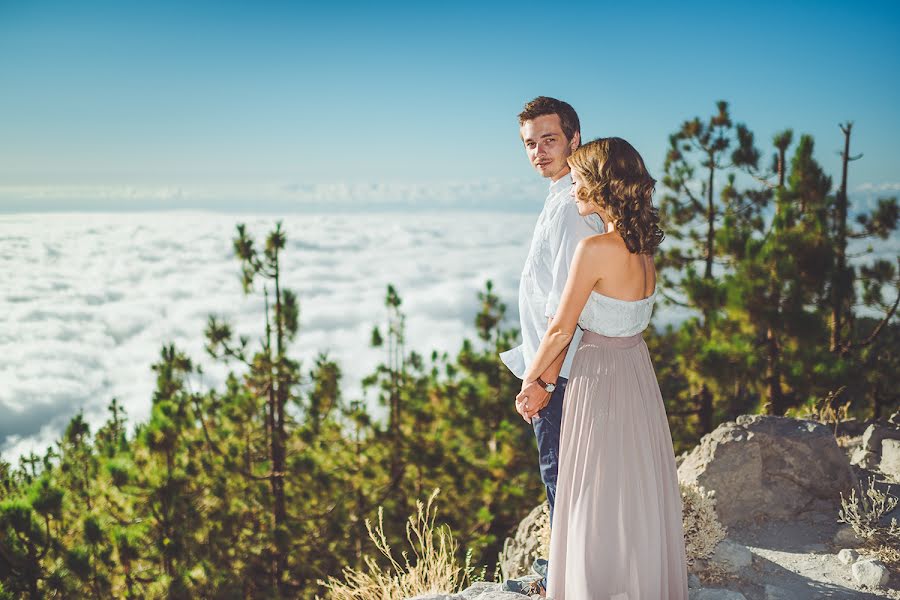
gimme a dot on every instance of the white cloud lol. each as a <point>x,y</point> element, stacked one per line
<point>91,298</point>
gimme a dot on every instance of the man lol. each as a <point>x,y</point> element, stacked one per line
<point>550,131</point>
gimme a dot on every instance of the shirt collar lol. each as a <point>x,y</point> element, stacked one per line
<point>561,185</point>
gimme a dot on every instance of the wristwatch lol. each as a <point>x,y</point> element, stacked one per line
<point>548,387</point>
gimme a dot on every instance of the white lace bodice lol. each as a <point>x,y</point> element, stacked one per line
<point>616,318</point>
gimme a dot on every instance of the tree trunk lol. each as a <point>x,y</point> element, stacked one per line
<point>279,437</point>
<point>705,411</point>
<point>773,374</point>
<point>838,282</point>
<point>710,219</point>
<point>774,395</point>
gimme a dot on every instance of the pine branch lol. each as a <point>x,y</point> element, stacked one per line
<point>875,332</point>
<point>674,301</point>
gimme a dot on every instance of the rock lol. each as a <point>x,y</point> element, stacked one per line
<point>481,590</point>
<point>768,467</point>
<point>847,556</point>
<point>890,457</point>
<point>863,458</point>
<point>894,419</point>
<point>714,594</point>
<point>870,573</point>
<point>822,518</point>
<point>476,590</point>
<point>731,556</point>
<point>816,548</point>
<point>519,551</point>
<point>851,427</point>
<point>875,433</point>
<point>773,592</point>
<point>693,581</point>
<point>847,538</point>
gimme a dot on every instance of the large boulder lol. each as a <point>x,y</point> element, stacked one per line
<point>520,551</point>
<point>766,467</point>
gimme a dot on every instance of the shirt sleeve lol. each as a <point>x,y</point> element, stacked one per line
<point>568,229</point>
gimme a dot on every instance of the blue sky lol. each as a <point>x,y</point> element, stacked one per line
<point>163,99</point>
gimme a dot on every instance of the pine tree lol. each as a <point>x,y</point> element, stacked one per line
<point>690,212</point>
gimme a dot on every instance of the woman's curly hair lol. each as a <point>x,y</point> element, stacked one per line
<point>616,180</point>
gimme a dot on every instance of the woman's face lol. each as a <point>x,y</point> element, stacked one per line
<point>584,208</point>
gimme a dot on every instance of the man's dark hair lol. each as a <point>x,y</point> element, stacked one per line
<point>544,105</point>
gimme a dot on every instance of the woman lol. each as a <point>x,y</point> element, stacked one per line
<point>617,532</point>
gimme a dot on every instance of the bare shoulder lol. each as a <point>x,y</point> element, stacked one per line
<point>602,244</point>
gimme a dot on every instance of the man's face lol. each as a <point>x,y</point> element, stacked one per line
<point>547,146</point>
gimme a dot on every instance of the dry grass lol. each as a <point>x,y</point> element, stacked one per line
<point>434,568</point>
<point>864,513</point>
<point>826,410</point>
<point>702,528</point>
<point>543,533</point>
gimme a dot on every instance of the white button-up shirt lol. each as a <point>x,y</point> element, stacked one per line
<point>558,230</point>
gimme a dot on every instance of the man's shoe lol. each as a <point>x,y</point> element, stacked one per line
<point>537,588</point>
<point>539,566</point>
<point>523,586</point>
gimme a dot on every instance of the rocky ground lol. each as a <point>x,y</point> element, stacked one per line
<point>798,558</point>
<point>809,556</point>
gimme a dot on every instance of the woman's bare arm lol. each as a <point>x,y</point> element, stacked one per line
<point>580,282</point>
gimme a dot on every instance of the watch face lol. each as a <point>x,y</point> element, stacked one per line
<point>550,387</point>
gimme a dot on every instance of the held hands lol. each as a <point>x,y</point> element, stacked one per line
<point>531,399</point>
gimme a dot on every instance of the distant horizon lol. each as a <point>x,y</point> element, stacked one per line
<point>524,197</point>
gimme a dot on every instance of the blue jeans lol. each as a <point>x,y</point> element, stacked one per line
<point>547,425</point>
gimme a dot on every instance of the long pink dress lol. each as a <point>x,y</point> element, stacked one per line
<point>617,532</point>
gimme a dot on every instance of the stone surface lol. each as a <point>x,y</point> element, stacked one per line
<point>847,556</point>
<point>890,457</point>
<point>875,433</point>
<point>863,458</point>
<point>731,556</point>
<point>768,467</point>
<point>773,592</point>
<point>482,590</point>
<point>847,538</point>
<point>519,551</point>
<point>715,594</point>
<point>870,573</point>
<point>476,590</point>
<point>693,581</point>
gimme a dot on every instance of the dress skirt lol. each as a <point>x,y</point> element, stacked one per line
<point>617,532</point>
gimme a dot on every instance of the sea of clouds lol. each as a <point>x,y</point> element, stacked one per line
<point>89,299</point>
